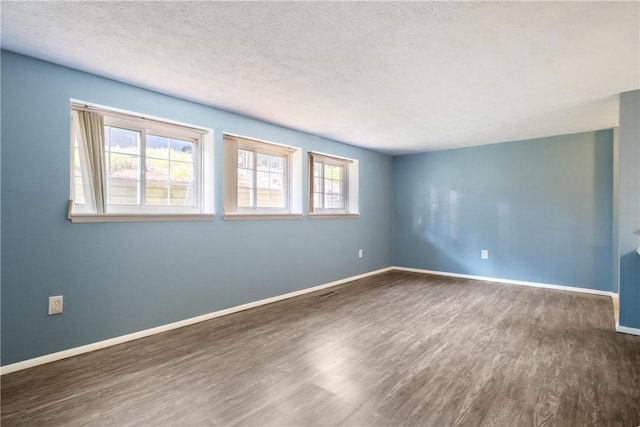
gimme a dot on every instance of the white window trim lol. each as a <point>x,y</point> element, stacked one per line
<point>351,209</point>
<point>293,178</point>
<point>252,216</point>
<point>90,218</point>
<point>335,215</point>
<point>203,170</point>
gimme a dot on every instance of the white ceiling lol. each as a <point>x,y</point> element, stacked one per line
<point>391,76</point>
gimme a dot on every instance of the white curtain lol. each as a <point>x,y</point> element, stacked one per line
<point>90,133</point>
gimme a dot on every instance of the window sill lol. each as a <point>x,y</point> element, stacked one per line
<point>86,218</point>
<point>333,215</point>
<point>259,216</point>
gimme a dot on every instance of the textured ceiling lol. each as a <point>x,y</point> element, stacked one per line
<point>391,76</point>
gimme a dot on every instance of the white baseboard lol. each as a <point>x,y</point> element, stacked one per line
<point>627,330</point>
<point>29,363</point>
<point>509,281</point>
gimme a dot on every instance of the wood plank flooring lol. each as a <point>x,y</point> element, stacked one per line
<point>392,349</point>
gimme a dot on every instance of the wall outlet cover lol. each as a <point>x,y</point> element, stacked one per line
<point>55,305</point>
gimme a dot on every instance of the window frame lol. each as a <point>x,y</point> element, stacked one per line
<point>232,144</point>
<point>349,186</point>
<point>173,133</point>
<point>269,150</point>
<point>202,209</point>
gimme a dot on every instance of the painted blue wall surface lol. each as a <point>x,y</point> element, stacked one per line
<point>125,277</point>
<point>541,207</point>
<point>629,209</point>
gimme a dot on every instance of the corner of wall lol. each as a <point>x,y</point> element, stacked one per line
<point>628,219</point>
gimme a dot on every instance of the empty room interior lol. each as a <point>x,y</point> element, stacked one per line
<point>320,213</point>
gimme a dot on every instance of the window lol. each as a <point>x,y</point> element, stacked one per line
<point>261,179</point>
<point>333,186</point>
<point>132,168</point>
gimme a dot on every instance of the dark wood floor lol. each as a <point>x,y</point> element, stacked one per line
<point>394,349</point>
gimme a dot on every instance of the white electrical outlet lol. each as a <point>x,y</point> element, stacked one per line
<point>359,253</point>
<point>55,305</point>
<point>484,254</point>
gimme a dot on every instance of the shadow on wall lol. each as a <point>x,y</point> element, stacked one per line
<point>602,208</point>
<point>436,227</point>
<point>629,296</point>
<point>450,228</point>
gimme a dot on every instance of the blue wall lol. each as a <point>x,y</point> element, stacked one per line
<point>629,209</point>
<point>121,278</point>
<point>542,207</point>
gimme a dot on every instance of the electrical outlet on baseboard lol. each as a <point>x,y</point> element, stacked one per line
<point>484,254</point>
